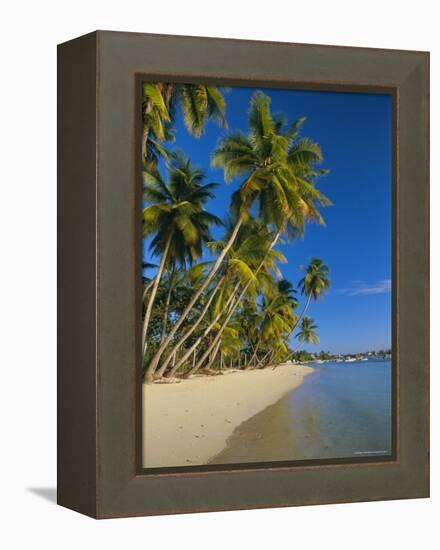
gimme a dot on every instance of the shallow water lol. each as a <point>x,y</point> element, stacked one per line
<point>342,410</point>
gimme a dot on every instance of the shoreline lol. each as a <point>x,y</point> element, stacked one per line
<point>189,423</point>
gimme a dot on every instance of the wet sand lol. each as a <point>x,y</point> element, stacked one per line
<point>263,438</point>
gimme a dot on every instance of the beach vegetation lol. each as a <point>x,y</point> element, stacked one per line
<point>220,303</point>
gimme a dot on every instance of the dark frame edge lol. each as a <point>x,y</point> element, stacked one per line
<point>77,275</point>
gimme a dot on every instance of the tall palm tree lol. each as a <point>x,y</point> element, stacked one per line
<point>279,176</point>
<point>175,220</point>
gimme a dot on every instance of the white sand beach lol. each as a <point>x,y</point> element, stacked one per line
<point>188,423</point>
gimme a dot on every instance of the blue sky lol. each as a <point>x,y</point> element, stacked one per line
<point>354,131</point>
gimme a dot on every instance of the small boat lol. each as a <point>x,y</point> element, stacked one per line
<point>319,361</point>
<point>339,360</point>
<point>350,360</point>
<point>363,359</point>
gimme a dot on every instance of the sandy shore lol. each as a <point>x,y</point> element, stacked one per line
<point>189,423</point>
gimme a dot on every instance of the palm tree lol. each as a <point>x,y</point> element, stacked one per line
<point>157,123</point>
<point>175,220</point>
<point>276,317</point>
<point>306,334</point>
<point>307,331</point>
<point>208,305</point>
<point>176,282</point>
<point>279,176</point>
<point>278,171</point>
<point>228,346</point>
<point>313,285</point>
<point>277,167</point>
<point>266,263</point>
<point>238,271</point>
<point>195,298</point>
<point>316,281</point>
<point>159,104</point>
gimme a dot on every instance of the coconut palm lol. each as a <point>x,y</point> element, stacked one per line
<point>193,327</point>
<point>276,317</point>
<point>176,283</point>
<point>219,294</point>
<point>157,123</point>
<point>313,285</point>
<point>307,331</point>
<point>265,260</point>
<point>238,271</point>
<point>278,171</point>
<point>160,101</point>
<point>316,280</point>
<point>195,298</point>
<point>221,290</point>
<point>175,219</point>
<point>228,346</point>
<point>306,334</point>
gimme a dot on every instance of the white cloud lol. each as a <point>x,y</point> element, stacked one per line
<point>361,288</point>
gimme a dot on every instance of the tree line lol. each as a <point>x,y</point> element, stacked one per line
<point>219,303</point>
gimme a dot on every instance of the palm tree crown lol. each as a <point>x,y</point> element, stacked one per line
<point>159,104</point>
<point>316,280</point>
<point>307,331</point>
<point>176,211</point>
<point>278,169</point>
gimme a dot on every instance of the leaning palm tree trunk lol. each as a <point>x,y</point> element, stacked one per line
<point>146,289</point>
<point>213,356</point>
<point>153,296</point>
<point>231,312</point>
<point>254,355</point>
<point>166,309</point>
<point>199,340</point>
<point>303,312</point>
<point>220,332</point>
<point>155,360</point>
<point>262,362</point>
<point>188,333</point>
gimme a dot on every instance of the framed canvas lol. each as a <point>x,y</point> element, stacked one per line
<point>243,274</point>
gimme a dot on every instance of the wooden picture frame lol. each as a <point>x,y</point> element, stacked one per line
<point>99,273</point>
